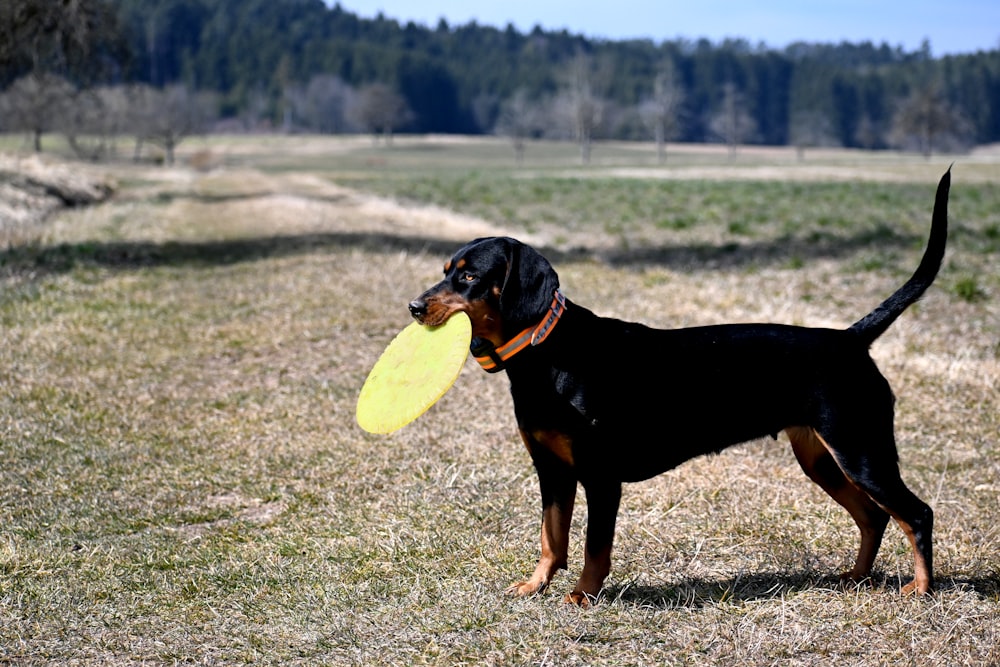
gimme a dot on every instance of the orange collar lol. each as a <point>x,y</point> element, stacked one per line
<point>492,358</point>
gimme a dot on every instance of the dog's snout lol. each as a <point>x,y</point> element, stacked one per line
<point>418,308</point>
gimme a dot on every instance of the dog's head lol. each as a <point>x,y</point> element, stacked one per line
<point>502,284</point>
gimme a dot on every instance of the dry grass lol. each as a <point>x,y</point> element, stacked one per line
<point>181,478</point>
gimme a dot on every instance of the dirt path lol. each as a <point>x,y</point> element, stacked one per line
<point>223,203</point>
<point>382,214</point>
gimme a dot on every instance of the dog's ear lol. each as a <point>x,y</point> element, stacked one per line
<point>528,286</point>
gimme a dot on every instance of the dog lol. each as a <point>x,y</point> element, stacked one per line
<point>601,401</point>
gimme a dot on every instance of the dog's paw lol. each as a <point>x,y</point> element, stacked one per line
<point>580,599</point>
<point>917,587</point>
<point>523,589</point>
<point>852,581</point>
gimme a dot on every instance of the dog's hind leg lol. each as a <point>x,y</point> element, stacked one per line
<point>818,463</point>
<point>869,461</point>
<point>916,519</point>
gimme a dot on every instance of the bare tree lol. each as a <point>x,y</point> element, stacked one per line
<point>926,119</point>
<point>291,92</point>
<point>732,122</point>
<point>81,122</point>
<point>141,102</point>
<point>579,105</point>
<point>254,114</point>
<point>293,103</point>
<point>518,120</point>
<point>485,109</point>
<point>93,119</point>
<point>661,111</point>
<point>381,110</point>
<point>166,117</point>
<point>35,104</point>
<point>868,134</point>
<point>325,105</point>
<point>809,129</point>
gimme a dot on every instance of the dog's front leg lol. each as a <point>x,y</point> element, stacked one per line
<point>602,512</point>
<point>558,487</point>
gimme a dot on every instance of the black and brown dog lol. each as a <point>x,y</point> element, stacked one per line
<point>601,401</point>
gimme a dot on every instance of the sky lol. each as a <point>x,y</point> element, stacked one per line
<point>951,26</point>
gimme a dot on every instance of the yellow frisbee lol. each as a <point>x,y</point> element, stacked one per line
<point>415,370</point>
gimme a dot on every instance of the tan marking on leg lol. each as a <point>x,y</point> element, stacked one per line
<point>808,446</point>
<point>559,444</point>
<point>821,467</point>
<point>556,521</point>
<point>921,583</point>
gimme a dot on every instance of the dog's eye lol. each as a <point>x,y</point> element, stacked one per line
<point>468,277</point>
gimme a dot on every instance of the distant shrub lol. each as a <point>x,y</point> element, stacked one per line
<point>968,289</point>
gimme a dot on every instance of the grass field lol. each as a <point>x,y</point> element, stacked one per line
<point>182,480</point>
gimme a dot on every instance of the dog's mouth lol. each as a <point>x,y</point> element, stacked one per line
<point>434,313</point>
<point>435,317</point>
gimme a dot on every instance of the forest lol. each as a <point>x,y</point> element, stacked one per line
<point>308,66</point>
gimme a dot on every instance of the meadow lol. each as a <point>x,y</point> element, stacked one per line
<point>182,479</point>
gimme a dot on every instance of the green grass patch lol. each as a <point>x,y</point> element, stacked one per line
<point>633,206</point>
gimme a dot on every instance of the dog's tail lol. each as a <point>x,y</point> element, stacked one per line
<point>874,324</point>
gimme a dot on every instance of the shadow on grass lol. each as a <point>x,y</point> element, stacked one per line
<point>782,251</point>
<point>168,196</point>
<point>694,593</point>
<point>125,255</point>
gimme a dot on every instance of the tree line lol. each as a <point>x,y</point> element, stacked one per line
<point>160,69</point>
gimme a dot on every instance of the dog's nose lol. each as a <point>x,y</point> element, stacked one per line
<point>418,308</point>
